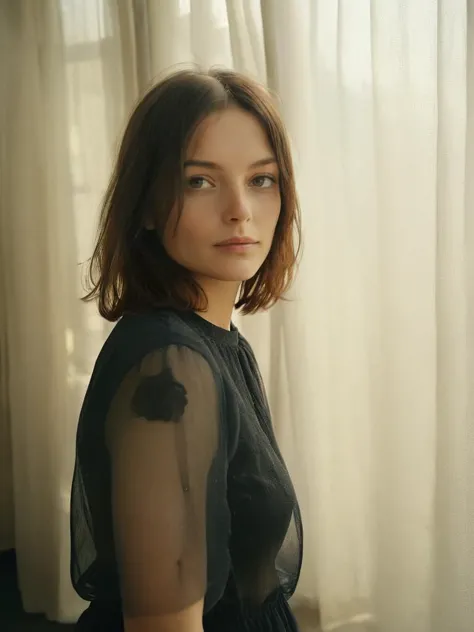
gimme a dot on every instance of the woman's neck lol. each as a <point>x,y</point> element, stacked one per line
<point>221,296</point>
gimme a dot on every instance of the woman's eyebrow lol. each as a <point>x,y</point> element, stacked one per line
<point>208,164</point>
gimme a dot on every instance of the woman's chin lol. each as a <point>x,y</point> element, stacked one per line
<point>235,276</point>
<point>236,272</point>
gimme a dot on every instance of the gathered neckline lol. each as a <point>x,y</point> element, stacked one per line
<point>220,335</point>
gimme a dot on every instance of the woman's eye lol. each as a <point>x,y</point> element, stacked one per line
<point>263,182</point>
<point>198,182</point>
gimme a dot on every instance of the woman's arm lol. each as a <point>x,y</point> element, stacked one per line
<point>162,434</point>
<point>189,620</point>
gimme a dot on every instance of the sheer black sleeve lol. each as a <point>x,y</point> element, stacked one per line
<point>162,434</point>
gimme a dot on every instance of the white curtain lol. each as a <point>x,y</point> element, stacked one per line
<point>370,366</point>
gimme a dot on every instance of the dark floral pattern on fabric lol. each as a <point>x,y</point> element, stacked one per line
<point>160,397</point>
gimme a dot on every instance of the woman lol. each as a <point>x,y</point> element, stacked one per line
<point>183,516</point>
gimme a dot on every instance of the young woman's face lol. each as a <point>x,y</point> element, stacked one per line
<point>231,196</point>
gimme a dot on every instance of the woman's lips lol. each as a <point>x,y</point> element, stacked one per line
<point>237,246</point>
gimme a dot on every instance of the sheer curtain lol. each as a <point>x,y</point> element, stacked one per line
<point>369,367</point>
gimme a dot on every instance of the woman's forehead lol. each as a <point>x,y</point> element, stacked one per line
<point>230,135</point>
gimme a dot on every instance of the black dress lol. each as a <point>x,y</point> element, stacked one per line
<point>180,492</point>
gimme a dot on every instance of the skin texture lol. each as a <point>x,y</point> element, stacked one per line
<point>189,620</point>
<point>237,195</point>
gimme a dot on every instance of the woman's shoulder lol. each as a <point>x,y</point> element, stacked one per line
<point>160,327</point>
<point>156,338</point>
<point>136,336</point>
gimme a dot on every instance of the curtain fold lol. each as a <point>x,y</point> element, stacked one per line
<point>38,267</point>
<point>369,366</point>
<point>7,537</point>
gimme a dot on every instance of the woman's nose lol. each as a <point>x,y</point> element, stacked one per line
<point>238,207</point>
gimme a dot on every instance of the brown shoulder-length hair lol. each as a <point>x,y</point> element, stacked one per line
<point>130,270</point>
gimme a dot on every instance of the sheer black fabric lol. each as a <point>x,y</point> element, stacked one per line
<point>180,493</point>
